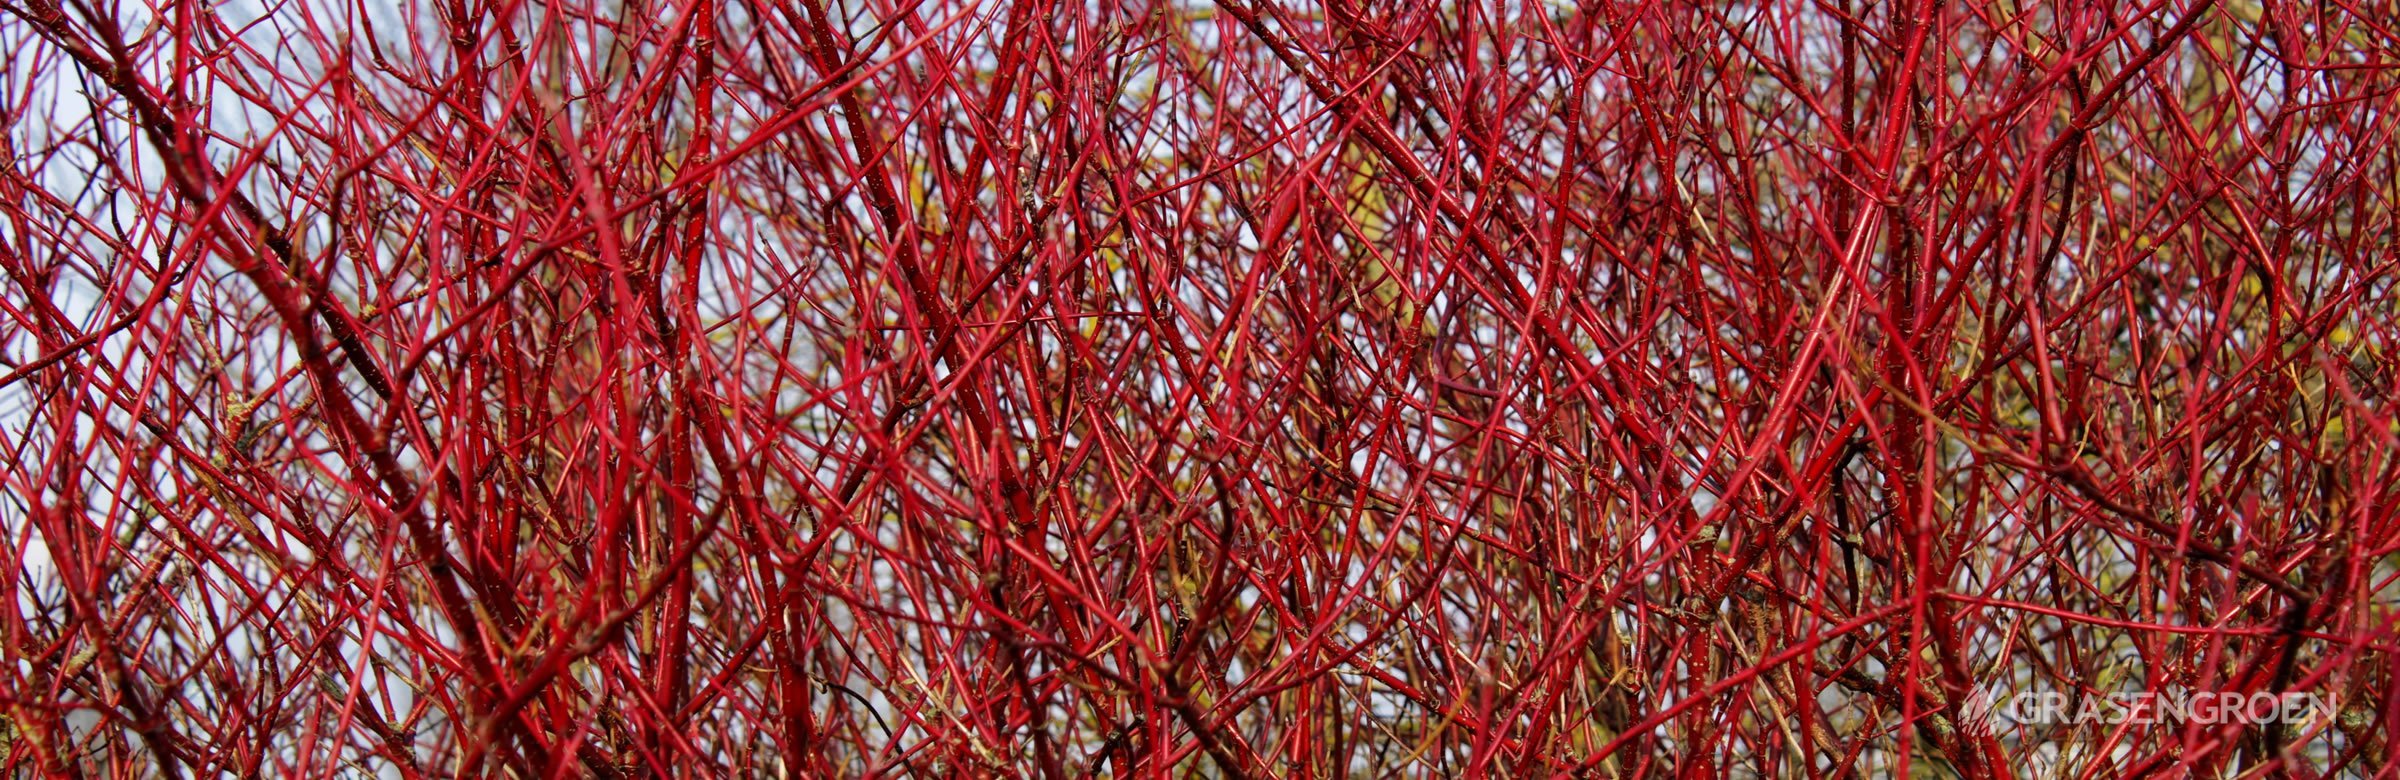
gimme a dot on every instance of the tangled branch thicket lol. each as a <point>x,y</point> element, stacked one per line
<point>612,388</point>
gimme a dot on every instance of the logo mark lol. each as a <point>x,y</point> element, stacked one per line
<point>1975,711</point>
